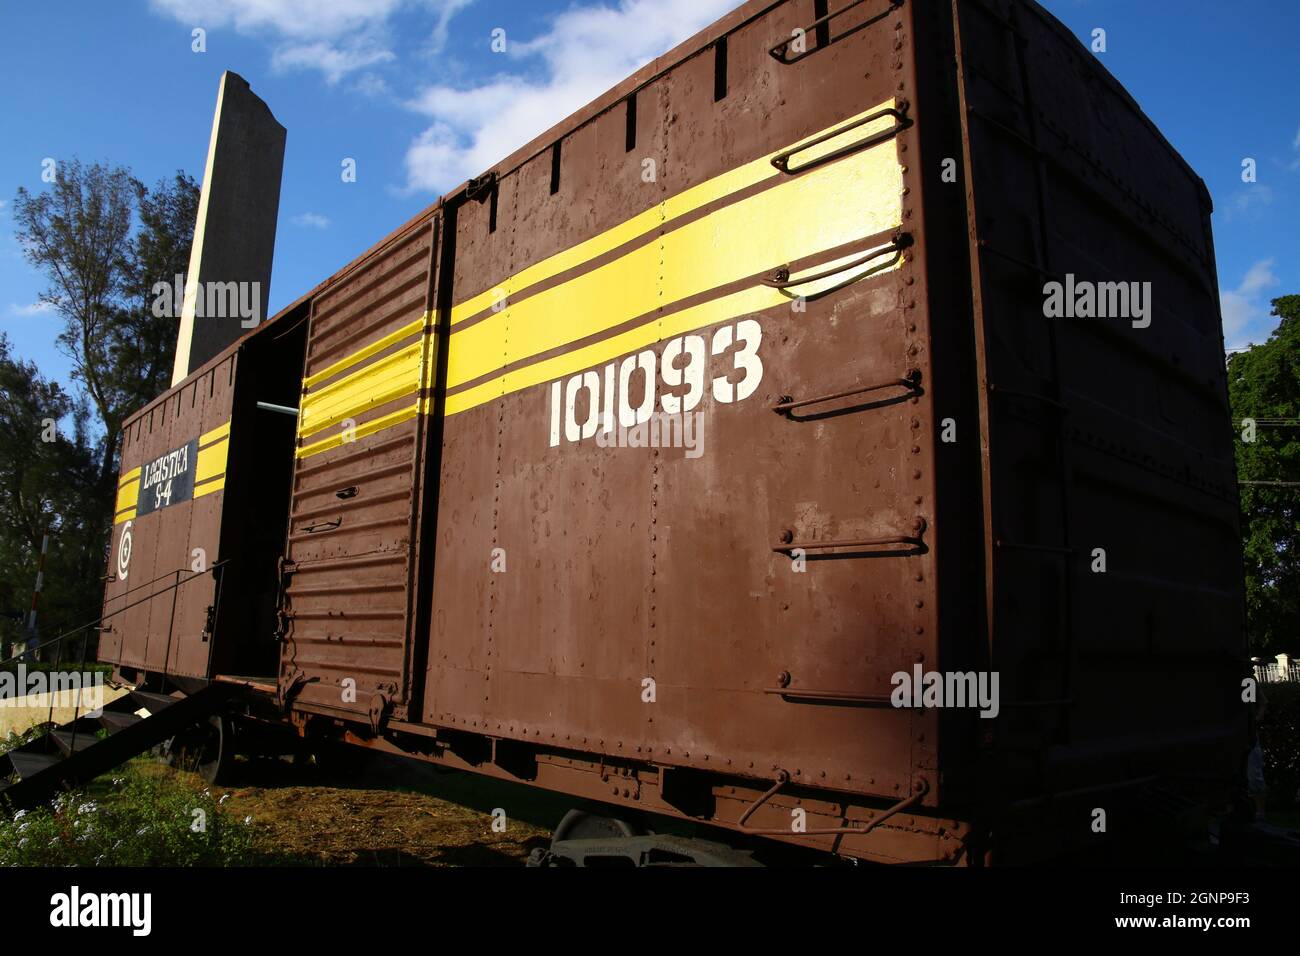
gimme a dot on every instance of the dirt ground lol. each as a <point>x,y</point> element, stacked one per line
<point>395,813</point>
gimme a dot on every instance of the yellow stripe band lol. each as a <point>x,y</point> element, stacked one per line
<point>391,378</point>
<point>212,462</point>
<point>221,431</point>
<point>834,205</point>
<point>361,431</point>
<point>132,475</point>
<point>127,494</point>
<point>671,209</point>
<point>374,348</point>
<point>210,487</point>
<point>794,217</point>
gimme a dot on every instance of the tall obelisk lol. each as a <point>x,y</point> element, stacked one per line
<point>234,237</point>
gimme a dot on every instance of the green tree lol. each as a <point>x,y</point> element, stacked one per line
<point>101,267</point>
<point>47,482</point>
<point>1264,388</point>
<point>103,240</point>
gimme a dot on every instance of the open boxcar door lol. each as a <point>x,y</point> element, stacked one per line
<point>352,552</point>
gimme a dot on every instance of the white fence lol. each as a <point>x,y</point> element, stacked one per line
<point>1276,672</point>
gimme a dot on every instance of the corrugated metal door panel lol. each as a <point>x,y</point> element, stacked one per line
<point>346,596</point>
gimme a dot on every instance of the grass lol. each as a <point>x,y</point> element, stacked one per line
<point>12,741</point>
<point>277,814</point>
<point>143,814</point>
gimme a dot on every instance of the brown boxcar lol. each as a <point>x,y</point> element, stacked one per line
<point>647,466</point>
<point>200,518</point>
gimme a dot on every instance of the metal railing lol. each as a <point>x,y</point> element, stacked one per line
<point>82,631</point>
<point>1280,672</point>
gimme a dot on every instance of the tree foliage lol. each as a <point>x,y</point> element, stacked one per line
<point>48,479</point>
<point>1264,387</point>
<point>102,239</point>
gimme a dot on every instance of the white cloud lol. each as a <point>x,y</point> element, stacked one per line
<point>1246,309</point>
<point>1251,198</point>
<point>336,37</point>
<point>333,62</point>
<point>585,51</point>
<point>370,84</point>
<point>301,19</point>
<point>36,308</point>
<point>312,220</point>
<point>441,30</point>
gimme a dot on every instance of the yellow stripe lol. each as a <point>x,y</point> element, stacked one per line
<point>221,431</point>
<point>128,495</point>
<point>391,378</point>
<point>212,461</point>
<point>124,516</point>
<point>839,203</point>
<point>670,209</point>
<point>850,199</point>
<point>372,349</point>
<point>132,475</point>
<point>361,431</point>
<point>735,305</point>
<point>210,487</point>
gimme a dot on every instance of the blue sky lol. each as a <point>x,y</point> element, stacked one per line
<point>412,90</point>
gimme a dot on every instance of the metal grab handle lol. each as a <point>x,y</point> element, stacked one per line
<point>788,544</point>
<point>323,526</point>
<point>782,160</point>
<point>911,381</point>
<point>778,52</point>
<point>831,696</point>
<point>780,279</point>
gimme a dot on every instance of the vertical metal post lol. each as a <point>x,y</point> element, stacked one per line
<point>58,659</point>
<point>76,710</point>
<point>32,640</point>
<point>171,623</point>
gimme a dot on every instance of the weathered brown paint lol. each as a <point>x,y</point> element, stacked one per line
<point>347,604</point>
<point>626,565</point>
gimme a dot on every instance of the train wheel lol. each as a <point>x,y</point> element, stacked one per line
<point>584,825</point>
<point>207,749</point>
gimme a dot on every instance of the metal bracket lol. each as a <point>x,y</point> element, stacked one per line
<point>788,544</point>
<point>779,51</point>
<point>911,381</point>
<point>781,279</point>
<point>380,704</point>
<point>480,186</point>
<point>323,526</point>
<point>782,160</point>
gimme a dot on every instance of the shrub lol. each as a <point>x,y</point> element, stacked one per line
<point>141,815</point>
<point>1279,735</point>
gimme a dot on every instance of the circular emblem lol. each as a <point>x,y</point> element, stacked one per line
<point>124,552</point>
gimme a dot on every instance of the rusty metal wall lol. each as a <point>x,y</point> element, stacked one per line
<point>762,236</point>
<point>1098,433</point>
<point>153,546</point>
<point>569,575</point>
<point>351,554</point>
